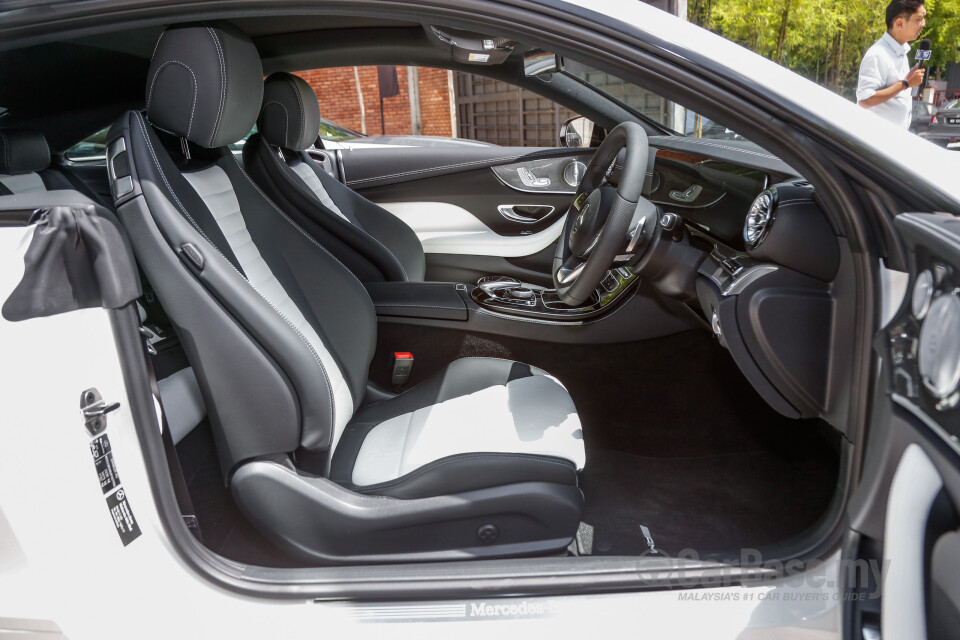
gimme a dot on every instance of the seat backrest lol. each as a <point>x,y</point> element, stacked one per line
<point>24,154</point>
<point>279,333</point>
<point>373,243</point>
<point>25,167</point>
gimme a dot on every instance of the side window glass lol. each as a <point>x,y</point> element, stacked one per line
<point>90,149</point>
<point>424,106</point>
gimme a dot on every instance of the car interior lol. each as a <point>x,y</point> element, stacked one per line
<point>405,354</point>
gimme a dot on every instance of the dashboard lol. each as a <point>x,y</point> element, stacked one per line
<point>711,195</point>
<point>759,263</point>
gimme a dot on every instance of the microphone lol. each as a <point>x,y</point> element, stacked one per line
<point>923,53</point>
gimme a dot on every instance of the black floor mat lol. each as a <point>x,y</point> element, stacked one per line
<point>706,504</point>
<point>224,528</point>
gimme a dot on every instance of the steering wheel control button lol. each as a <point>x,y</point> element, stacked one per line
<point>488,533</point>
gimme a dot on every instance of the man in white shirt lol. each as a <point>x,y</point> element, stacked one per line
<point>886,78</point>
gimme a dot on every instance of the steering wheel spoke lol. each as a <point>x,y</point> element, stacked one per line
<point>606,225</point>
<point>570,270</point>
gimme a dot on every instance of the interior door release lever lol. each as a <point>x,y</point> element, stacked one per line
<point>691,194</point>
<point>525,213</point>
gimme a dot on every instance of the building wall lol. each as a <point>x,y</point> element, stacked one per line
<point>339,98</point>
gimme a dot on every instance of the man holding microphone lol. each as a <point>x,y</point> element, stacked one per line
<point>886,77</point>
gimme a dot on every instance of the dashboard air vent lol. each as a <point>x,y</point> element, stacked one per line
<point>758,219</point>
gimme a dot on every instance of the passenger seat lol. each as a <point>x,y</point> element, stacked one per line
<point>369,240</point>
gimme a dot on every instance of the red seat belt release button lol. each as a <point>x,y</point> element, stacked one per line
<point>402,366</point>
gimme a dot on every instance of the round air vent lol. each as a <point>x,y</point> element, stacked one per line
<point>923,292</point>
<point>939,349</point>
<point>573,173</point>
<point>758,219</point>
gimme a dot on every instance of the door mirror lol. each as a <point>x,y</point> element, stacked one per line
<point>540,63</point>
<point>581,132</point>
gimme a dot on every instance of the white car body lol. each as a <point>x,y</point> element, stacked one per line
<point>64,572</point>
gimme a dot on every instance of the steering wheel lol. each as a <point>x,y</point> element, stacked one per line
<point>606,225</point>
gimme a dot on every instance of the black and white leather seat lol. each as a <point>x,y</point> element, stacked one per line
<point>369,240</point>
<point>25,162</point>
<point>479,460</point>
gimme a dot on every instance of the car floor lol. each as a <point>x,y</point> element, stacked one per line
<point>680,450</point>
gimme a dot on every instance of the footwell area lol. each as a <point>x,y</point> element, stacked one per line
<point>677,442</point>
<point>707,504</point>
<point>680,450</point>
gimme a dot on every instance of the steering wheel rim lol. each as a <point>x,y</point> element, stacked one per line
<point>598,226</point>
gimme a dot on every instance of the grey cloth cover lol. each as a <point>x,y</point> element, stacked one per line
<point>290,117</point>
<point>23,151</point>
<point>77,259</point>
<point>205,83</point>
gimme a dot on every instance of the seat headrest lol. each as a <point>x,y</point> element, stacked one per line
<point>290,117</point>
<point>23,151</point>
<point>205,83</point>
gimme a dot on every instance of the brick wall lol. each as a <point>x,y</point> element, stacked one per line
<point>336,89</point>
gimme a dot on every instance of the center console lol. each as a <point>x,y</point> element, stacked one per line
<point>511,297</point>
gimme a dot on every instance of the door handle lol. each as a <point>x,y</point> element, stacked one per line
<point>525,213</point>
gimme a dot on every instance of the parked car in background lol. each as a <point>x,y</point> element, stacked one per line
<point>939,126</point>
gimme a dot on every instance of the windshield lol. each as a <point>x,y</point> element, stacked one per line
<point>648,104</point>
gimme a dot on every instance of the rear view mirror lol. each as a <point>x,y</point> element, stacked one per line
<point>540,63</point>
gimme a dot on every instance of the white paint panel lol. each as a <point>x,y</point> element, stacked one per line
<point>532,415</point>
<point>214,188</point>
<point>447,228</point>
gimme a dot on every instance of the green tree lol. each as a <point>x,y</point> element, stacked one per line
<point>821,39</point>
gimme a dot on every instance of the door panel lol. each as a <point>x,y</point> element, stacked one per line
<point>478,210</point>
<point>905,509</point>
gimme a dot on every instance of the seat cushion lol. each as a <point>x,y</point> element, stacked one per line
<point>480,422</point>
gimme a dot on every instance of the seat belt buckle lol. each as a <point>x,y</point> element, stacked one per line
<point>402,366</point>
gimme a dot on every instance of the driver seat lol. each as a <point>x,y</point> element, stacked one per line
<point>479,460</point>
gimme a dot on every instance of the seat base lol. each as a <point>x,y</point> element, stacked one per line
<point>317,520</point>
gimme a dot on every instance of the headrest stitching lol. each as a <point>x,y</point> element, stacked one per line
<point>157,46</point>
<point>223,84</point>
<point>193,107</point>
<point>296,92</point>
<point>286,119</point>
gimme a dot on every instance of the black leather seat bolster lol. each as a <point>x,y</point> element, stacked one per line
<point>383,226</point>
<point>368,259</point>
<point>437,300</point>
<point>457,473</point>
